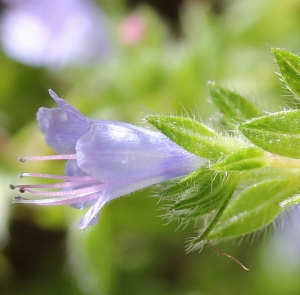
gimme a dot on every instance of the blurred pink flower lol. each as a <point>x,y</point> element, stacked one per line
<point>53,32</point>
<point>132,29</point>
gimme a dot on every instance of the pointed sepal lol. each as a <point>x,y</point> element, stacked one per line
<point>254,208</point>
<point>278,133</point>
<point>289,65</point>
<point>243,159</point>
<point>195,137</point>
<point>233,106</point>
<point>198,194</point>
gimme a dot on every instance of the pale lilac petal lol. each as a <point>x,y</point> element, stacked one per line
<point>128,158</point>
<point>71,112</point>
<point>106,160</point>
<point>91,217</point>
<point>62,126</point>
<point>72,169</point>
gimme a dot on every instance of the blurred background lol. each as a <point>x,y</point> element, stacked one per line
<point>116,59</point>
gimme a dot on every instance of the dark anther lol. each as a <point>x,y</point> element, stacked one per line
<point>22,159</point>
<point>22,190</point>
<point>21,175</point>
<point>12,186</point>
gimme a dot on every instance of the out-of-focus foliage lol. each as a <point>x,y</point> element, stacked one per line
<point>131,250</point>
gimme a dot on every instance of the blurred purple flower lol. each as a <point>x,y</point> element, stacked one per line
<point>54,33</point>
<point>106,160</point>
<point>283,247</point>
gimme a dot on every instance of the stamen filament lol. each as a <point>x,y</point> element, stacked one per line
<point>81,188</point>
<point>49,158</point>
<point>58,201</point>
<point>59,177</point>
<point>55,185</point>
<point>82,191</point>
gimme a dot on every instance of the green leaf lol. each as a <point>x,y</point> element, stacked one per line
<point>289,65</point>
<point>254,208</point>
<point>243,159</point>
<point>194,136</point>
<point>233,106</point>
<point>278,133</point>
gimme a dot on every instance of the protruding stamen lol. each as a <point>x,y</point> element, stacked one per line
<point>58,201</point>
<point>81,188</point>
<point>49,158</point>
<point>82,191</point>
<point>59,177</point>
<point>67,184</point>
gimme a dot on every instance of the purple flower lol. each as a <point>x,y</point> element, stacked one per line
<point>54,33</point>
<point>106,160</point>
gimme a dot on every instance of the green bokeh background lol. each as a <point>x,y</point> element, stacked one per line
<point>131,250</point>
